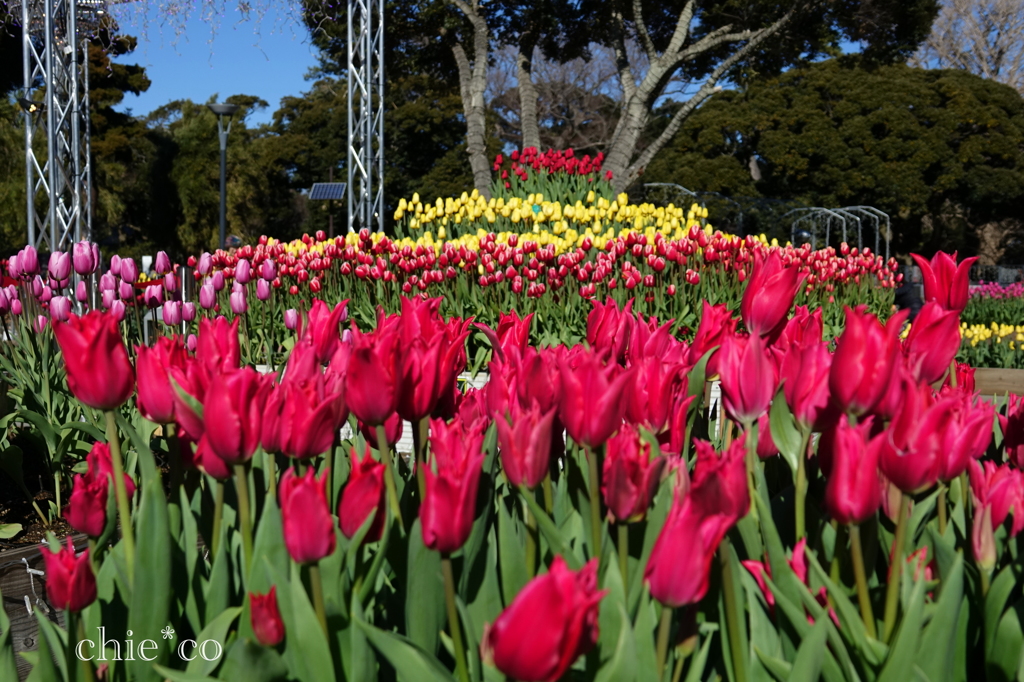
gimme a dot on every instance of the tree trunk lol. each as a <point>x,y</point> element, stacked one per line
<point>527,96</point>
<point>472,83</point>
<point>624,159</point>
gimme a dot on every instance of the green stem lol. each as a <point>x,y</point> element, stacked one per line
<point>389,474</point>
<point>800,485</point>
<point>664,629</point>
<point>595,501</point>
<point>177,471</point>
<point>941,506</point>
<point>840,543</point>
<point>87,673</point>
<point>242,489</point>
<point>218,516</point>
<point>624,552</point>
<point>270,466</point>
<point>121,495</point>
<point>318,595</point>
<point>892,596</point>
<point>56,490</point>
<point>531,540</point>
<point>732,616</point>
<point>549,498</point>
<point>419,435</point>
<point>866,612</point>
<point>985,580</point>
<point>952,373</point>
<point>453,618</point>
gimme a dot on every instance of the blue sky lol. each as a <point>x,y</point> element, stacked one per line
<point>266,57</point>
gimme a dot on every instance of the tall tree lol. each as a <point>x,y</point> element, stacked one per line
<point>985,37</point>
<point>942,152</point>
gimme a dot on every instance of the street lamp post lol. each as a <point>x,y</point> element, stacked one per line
<point>223,110</point>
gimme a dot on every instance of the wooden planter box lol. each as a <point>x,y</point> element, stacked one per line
<point>991,381</point>
<point>23,590</point>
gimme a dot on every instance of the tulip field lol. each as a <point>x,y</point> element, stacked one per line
<point>224,496</point>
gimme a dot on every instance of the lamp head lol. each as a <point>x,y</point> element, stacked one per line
<point>31,106</point>
<point>223,109</point>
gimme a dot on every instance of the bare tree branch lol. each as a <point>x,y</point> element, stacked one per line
<point>985,37</point>
<point>641,28</point>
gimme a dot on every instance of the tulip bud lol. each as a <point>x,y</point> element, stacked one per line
<point>37,286</point>
<point>5,303</point>
<point>268,270</point>
<point>363,494</point>
<point>630,477</point>
<point>191,343</point>
<point>262,290</point>
<point>129,270</point>
<point>60,308</point>
<point>853,491</point>
<point>205,264</point>
<point>85,258</point>
<point>170,283</point>
<point>749,379</point>
<point>218,280</point>
<point>449,505</point>
<point>207,296</point>
<point>40,324</point>
<point>550,623</point>
<point>239,306</point>
<point>82,292</point>
<point>525,445</point>
<point>15,306</point>
<point>172,313</point>
<point>308,526</point>
<point>99,372</point>
<point>945,282</point>
<point>243,272</point>
<point>188,311</point>
<point>117,309</point>
<point>126,291</point>
<point>107,299</point>
<point>70,582</point>
<point>108,282</point>
<point>265,618</point>
<point>115,265</point>
<point>162,264</point>
<point>59,267</point>
<point>153,296</point>
<point>291,319</point>
<point>29,261</point>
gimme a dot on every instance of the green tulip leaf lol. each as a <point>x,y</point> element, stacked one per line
<point>151,594</point>
<point>410,662</point>
<point>179,675</point>
<point>554,537</point>
<point>937,652</point>
<point>779,669</point>
<point>512,555</point>
<point>900,665</point>
<point>357,658</point>
<point>811,654</point>
<point>696,670</point>
<point>216,630</point>
<point>424,594</point>
<point>644,628</point>
<point>995,603</point>
<point>56,640</point>
<point>9,530</point>
<point>306,652</point>
<point>43,668</point>
<point>8,666</point>
<point>785,432</point>
<point>621,667</point>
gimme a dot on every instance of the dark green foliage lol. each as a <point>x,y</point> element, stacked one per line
<point>921,145</point>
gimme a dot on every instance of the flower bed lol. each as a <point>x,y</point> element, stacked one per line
<point>656,538</point>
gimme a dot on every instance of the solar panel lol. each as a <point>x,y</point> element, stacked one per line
<point>327,190</point>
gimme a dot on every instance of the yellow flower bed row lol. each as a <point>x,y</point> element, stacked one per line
<point>994,332</point>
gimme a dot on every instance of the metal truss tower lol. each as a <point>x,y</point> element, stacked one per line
<point>57,159</point>
<point>365,114</point>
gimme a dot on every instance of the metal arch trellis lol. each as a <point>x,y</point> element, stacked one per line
<point>819,216</point>
<point>365,156</point>
<point>55,64</point>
